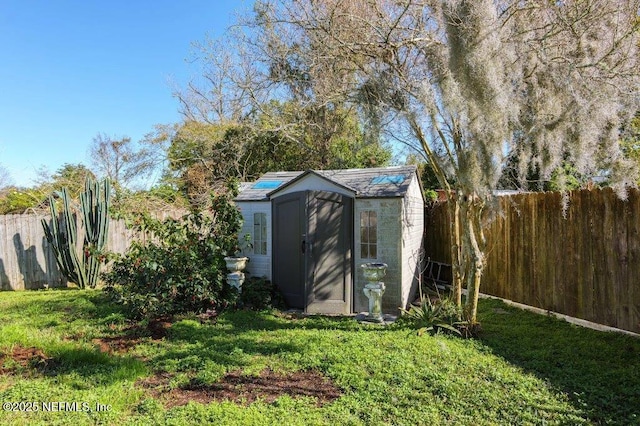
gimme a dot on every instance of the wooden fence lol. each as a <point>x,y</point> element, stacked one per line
<point>585,263</point>
<point>27,260</point>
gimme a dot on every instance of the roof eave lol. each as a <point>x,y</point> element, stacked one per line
<point>307,173</point>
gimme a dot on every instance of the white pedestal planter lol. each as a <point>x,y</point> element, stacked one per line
<point>374,289</point>
<point>236,279</point>
<point>236,265</point>
<point>374,292</point>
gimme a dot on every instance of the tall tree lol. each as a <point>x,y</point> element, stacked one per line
<point>70,176</point>
<point>258,82</point>
<point>120,160</point>
<point>631,141</point>
<point>202,157</point>
<point>5,189</point>
<point>469,83</point>
<point>5,178</point>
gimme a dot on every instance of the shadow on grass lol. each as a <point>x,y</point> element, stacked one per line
<point>88,368</point>
<point>68,304</point>
<point>599,371</point>
<point>247,320</point>
<point>82,365</point>
<point>227,353</point>
<point>231,343</point>
<point>238,339</point>
<point>234,341</point>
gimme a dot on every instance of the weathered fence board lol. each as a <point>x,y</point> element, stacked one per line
<point>27,260</point>
<point>582,261</point>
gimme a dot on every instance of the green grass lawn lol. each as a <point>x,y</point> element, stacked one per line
<point>524,368</point>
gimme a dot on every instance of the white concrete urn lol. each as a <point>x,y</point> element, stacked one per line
<point>235,280</point>
<point>236,264</point>
<point>374,289</point>
<point>374,272</point>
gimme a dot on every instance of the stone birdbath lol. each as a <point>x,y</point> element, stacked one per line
<point>374,289</point>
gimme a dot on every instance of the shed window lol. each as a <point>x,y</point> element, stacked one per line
<point>260,233</point>
<point>388,179</point>
<point>267,184</point>
<point>368,234</point>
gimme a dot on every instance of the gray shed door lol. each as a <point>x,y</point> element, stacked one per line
<point>312,240</point>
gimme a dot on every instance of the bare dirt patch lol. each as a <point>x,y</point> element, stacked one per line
<point>116,344</point>
<point>267,387</point>
<point>158,328</point>
<point>132,336</point>
<point>21,358</point>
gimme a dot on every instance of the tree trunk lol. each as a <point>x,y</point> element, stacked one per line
<point>453,208</point>
<point>472,252</point>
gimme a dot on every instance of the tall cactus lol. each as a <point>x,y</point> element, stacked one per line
<point>84,268</point>
<point>63,239</point>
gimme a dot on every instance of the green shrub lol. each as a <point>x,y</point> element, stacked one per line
<point>430,195</point>
<point>181,267</point>
<point>260,293</point>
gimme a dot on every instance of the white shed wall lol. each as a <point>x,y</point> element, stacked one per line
<point>259,264</point>
<point>389,211</point>
<point>412,242</point>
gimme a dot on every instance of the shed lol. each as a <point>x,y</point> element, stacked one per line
<point>311,230</point>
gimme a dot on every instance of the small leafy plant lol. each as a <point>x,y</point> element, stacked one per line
<point>258,293</point>
<point>433,316</point>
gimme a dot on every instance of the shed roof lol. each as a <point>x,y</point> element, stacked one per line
<point>382,182</point>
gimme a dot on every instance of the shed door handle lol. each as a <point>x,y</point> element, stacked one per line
<point>303,246</point>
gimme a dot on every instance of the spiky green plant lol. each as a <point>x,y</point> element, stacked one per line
<point>80,268</point>
<point>431,317</point>
<point>94,203</point>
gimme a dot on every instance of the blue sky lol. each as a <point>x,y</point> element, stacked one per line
<point>72,69</point>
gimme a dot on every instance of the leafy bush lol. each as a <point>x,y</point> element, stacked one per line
<point>433,316</point>
<point>17,201</point>
<point>260,293</point>
<point>430,195</point>
<point>181,267</point>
